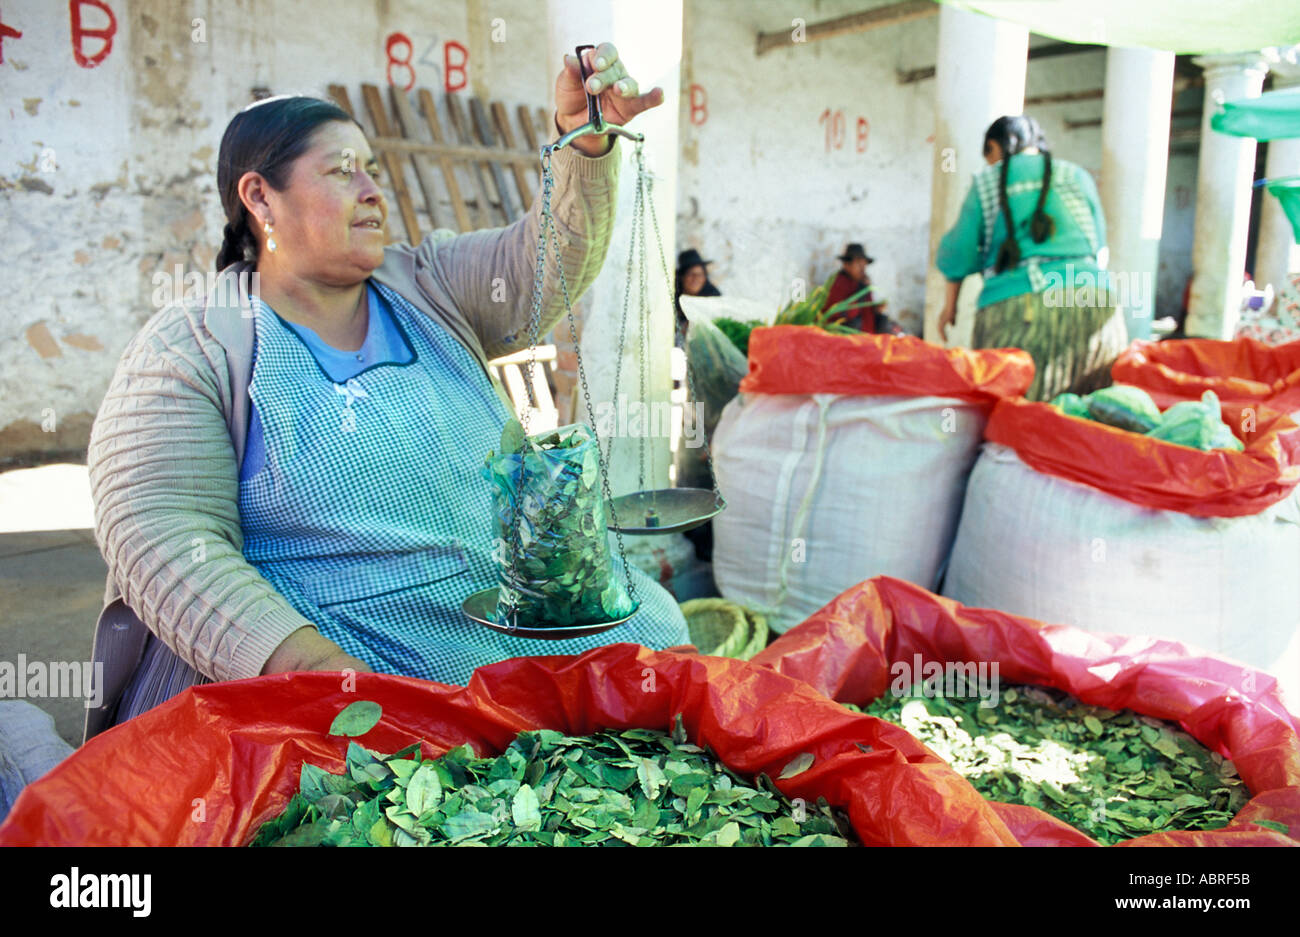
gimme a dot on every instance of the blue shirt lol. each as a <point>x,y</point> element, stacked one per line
<point>383,345</point>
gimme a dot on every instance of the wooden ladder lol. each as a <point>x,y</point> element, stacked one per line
<point>472,169</point>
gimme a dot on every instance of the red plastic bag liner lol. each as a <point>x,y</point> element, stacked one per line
<point>847,648</point>
<point>1151,472</point>
<point>803,359</point>
<point>237,748</point>
<point>1244,372</point>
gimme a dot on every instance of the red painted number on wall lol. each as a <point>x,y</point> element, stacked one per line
<point>455,60</point>
<point>699,105</point>
<point>7,32</point>
<point>835,122</point>
<point>458,67</point>
<point>399,39</point>
<point>80,32</point>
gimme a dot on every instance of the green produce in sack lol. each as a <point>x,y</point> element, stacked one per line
<point>738,332</point>
<point>637,787</point>
<point>1124,407</point>
<point>561,574</point>
<point>717,367</point>
<point>810,312</point>
<point>1198,424</point>
<point>1113,775</point>
<point>1072,405</point>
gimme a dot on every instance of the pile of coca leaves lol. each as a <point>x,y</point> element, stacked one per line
<point>557,571</point>
<point>637,787</point>
<point>1112,775</point>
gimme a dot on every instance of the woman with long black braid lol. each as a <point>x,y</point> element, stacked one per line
<point>1034,227</point>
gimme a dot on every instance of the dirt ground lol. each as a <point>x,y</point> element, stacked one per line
<point>51,576</point>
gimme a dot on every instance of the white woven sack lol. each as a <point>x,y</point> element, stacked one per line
<point>1062,552</point>
<point>825,490</point>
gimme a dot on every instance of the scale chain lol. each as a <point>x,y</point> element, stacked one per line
<point>534,324</point>
<point>638,234</point>
<point>680,331</point>
<point>548,223</point>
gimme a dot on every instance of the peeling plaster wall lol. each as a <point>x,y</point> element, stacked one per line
<point>108,173</point>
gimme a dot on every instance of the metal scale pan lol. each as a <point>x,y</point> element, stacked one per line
<point>482,606</point>
<point>666,511</point>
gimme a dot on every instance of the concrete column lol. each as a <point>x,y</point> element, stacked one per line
<point>1223,192</point>
<point>979,76</point>
<point>1277,252</point>
<point>1135,157</point>
<point>650,44</point>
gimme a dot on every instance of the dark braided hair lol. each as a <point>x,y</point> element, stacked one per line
<point>265,137</point>
<point>1014,134</point>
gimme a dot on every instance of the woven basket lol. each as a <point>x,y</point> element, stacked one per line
<point>724,629</point>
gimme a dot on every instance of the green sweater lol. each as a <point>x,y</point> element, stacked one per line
<point>1070,254</point>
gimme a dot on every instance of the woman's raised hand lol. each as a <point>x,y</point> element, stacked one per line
<point>617,90</point>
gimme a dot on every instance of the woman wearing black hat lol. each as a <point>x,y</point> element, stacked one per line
<point>1033,226</point>
<point>868,313</point>
<point>692,280</point>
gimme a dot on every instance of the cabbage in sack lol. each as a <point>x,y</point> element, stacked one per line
<point>1197,423</point>
<point>1125,407</point>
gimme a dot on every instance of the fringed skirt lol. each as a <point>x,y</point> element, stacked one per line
<point>1073,347</point>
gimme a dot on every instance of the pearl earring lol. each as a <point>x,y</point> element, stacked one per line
<point>270,241</point>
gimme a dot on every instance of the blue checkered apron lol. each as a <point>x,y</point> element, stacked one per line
<point>370,515</point>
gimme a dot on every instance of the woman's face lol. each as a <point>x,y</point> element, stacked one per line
<point>329,222</point>
<point>693,280</point>
<point>992,152</point>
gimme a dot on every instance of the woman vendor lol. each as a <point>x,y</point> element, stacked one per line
<point>1033,226</point>
<point>289,478</point>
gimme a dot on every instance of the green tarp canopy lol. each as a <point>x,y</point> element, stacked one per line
<point>1187,26</point>
<point>1271,116</point>
<point>1287,191</point>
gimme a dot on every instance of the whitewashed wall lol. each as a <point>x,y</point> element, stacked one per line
<point>108,173</point>
<point>1065,74</point>
<point>761,194</point>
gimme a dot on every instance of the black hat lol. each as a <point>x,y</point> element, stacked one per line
<point>690,258</point>
<point>854,251</point>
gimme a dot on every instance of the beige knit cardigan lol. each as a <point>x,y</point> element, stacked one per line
<point>167,443</point>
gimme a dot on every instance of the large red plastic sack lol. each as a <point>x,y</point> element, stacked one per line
<point>1153,473</point>
<point>1243,372</point>
<point>211,765</point>
<point>847,648</point>
<point>802,359</point>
